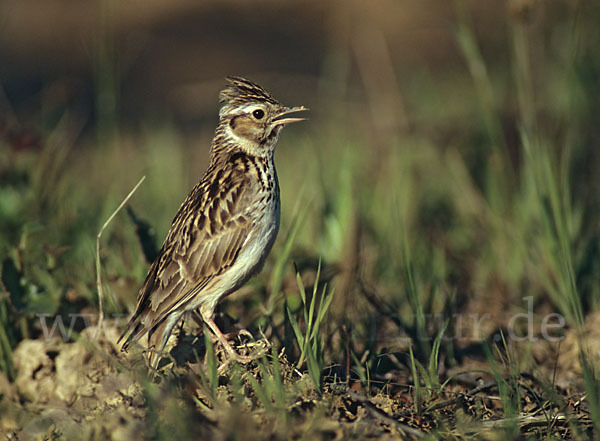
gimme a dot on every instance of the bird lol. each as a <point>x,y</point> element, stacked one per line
<point>225,228</point>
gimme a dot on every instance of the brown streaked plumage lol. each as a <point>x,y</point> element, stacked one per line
<point>225,228</point>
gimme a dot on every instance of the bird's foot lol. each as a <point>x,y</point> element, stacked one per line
<point>259,347</point>
<point>254,349</point>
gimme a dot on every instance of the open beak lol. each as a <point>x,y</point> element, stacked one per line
<point>285,117</point>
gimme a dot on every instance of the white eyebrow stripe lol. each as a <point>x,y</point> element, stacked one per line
<point>248,108</point>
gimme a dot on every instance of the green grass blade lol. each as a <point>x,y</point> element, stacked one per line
<point>314,371</point>
<point>261,394</point>
<point>416,383</point>
<point>301,291</point>
<point>434,358</point>
<point>299,337</point>
<point>279,389</point>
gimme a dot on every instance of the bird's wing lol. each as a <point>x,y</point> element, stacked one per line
<point>209,245</point>
<point>206,237</point>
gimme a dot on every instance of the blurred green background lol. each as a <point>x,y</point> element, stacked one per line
<point>449,165</point>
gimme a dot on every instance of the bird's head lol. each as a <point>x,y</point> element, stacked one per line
<point>251,118</point>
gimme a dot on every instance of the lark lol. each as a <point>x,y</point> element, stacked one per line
<point>225,228</point>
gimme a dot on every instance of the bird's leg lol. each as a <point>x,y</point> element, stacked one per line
<point>223,340</point>
<point>199,319</point>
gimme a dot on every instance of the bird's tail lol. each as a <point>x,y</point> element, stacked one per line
<point>133,332</point>
<point>158,336</point>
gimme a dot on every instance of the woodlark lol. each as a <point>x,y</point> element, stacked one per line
<point>225,228</point>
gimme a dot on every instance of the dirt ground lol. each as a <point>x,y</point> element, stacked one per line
<point>87,389</point>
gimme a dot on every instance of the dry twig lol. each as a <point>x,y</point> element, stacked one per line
<point>98,277</point>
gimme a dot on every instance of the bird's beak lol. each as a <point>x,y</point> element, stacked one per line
<point>284,118</point>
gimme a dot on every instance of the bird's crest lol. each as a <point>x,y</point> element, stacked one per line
<point>240,91</point>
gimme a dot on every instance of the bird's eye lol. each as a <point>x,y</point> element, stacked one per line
<point>258,114</point>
